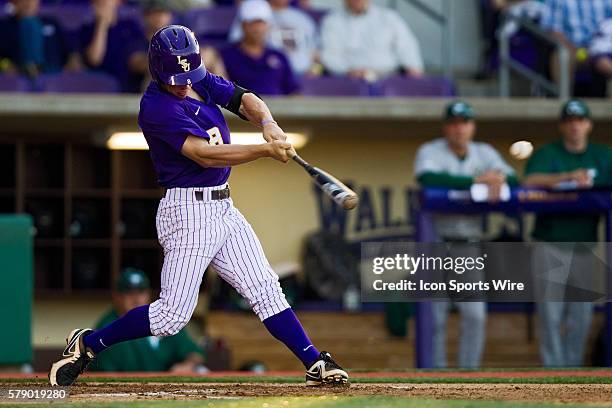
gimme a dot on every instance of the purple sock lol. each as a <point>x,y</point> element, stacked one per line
<point>286,327</point>
<point>132,325</point>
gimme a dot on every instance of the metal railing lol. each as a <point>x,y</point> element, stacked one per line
<point>508,64</point>
<point>445,21</point>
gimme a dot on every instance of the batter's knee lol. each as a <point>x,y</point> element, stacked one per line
<point>166,321</point>
<point>266,298</point>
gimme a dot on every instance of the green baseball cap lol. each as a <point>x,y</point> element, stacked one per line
<point>575,108</point>
<point>459,109</point>
<point>132,279</point>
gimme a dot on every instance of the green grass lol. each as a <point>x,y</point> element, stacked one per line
<point>298,380</point>
<point>480,370</point>
<point>306,402</point>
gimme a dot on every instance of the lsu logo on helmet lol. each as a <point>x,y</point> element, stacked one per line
<point>183,63</point>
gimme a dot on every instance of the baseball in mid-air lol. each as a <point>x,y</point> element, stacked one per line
<point>521,150</point>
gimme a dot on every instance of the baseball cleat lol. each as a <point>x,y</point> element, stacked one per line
<point>326,371</point>
<point>74,361</point>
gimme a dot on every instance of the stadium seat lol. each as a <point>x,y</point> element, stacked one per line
<point>415,87</point>
<point>210,23</point>
<point>87,82</point>
<point>14,83</point>
<point>215,43</point>
<point>334,86</point>
<point>128,12</point>
<point>70,16</point>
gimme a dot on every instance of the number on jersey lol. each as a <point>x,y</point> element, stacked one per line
<point>215,136</point>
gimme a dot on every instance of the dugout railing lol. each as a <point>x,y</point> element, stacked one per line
<point>433,201</point>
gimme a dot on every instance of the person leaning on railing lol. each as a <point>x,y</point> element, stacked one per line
<point>455,161</point>
<point>572,162</point>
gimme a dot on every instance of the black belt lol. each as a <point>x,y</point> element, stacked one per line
<point>215,194</point>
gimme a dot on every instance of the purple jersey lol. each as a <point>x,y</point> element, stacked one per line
<point>167,120</point>
<point>269,74</point>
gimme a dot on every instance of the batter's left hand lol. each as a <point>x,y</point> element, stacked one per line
<point>271,132</point>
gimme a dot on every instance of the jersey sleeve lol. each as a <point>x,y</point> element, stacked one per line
<point>429,170</point>
<point>219,89</point>
<point>171,126</point>
<point>427,162</point>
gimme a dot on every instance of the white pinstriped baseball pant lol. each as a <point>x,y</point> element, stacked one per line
<point>193,235</point>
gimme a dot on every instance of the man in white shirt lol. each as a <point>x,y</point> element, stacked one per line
<point>292,31</point>
<point>366,41</point>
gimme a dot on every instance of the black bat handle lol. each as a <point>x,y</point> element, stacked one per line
<point>303,163</point>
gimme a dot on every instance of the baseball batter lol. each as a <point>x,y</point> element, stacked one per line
<point>197,223</point>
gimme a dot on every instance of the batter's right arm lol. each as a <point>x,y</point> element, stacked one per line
<point>206,155</point>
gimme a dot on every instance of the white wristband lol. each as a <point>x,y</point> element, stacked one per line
<point>267,121</point>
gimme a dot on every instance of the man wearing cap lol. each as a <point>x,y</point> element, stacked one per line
<point>251,63</point>
<point>178,353</point>
<point>455,161</point>
<point>572,162</point>
<point>291,30</point>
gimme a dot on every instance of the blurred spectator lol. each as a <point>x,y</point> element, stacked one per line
<point>523,44</point>
<point>457,162</point>
<point>32,44</point>
<point>156,15</point>
<point>105,41</point>
<point>366,41</point>
<point>490,19</point>
<point>251,63</point>
<point>568,22</point>
<point>575,163</point>
<point>292,31</point>
<point>178,353</point>
<point>600,51</point>
<point>186,5</point>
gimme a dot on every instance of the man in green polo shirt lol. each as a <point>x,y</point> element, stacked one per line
<point>572,162</point>
<point>177,353</point>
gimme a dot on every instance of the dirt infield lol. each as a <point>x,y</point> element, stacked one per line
<point>555,393</point>
<point>416,374</point>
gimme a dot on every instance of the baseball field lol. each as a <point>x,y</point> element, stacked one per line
<point>428,389</point>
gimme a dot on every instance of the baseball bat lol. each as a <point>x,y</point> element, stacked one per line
<point>334,188</point>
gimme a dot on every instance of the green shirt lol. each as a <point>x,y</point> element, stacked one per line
<point>145,354</point>
<point>554,158</point>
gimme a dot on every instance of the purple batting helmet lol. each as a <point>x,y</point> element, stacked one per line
<point>174,56</point>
